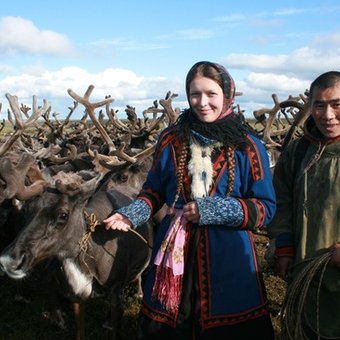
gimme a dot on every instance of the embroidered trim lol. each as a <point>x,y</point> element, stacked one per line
<point>208,320</point>
<point>255,160</point>
<point>219,210</point>
<point>138,212</point>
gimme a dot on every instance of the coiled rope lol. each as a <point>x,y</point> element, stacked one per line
<point>292,309</point>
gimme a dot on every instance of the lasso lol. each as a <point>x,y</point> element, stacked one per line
<point>294,303</point>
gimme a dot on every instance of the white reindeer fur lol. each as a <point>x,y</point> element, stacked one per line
<point>80,283</point>
<point>197,166</point>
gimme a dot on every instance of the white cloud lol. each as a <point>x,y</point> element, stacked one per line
<point>327,42</point>
<point>124,86</point>
<point>7,69</point>
<point>304,62</point>
<point>262,75</point>
<point>255,62</point>
<point>21,35</point>
<point>276,82</point>
<point>128,44</point>
<point>284,74</point>
<point>194,34</point>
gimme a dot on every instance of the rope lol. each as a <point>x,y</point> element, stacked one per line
<point>316,157</point>
<point>92,222</point>
<point>294,303</point>
<point>141,237</point>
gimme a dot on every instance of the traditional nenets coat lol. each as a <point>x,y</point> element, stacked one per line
<point>221,281</point>
<point>213,174</point>
<point>308,175</point>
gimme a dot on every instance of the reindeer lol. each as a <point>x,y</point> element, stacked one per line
<point>282,123</point>
<point>60,220</point>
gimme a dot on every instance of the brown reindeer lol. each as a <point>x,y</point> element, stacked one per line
<point>65,223</point>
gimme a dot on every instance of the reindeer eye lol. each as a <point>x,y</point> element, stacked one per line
<point>62,217</point>
<point>123,178</point>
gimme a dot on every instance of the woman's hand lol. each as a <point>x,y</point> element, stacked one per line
<point>190,212</point>
<point>117,222</point>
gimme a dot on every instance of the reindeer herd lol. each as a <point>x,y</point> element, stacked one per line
<point>60,178</point>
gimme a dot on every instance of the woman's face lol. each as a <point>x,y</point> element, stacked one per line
<point>206,98</point>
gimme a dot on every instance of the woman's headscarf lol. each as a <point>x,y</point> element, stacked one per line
<point>229,128</point>
<point>219,74</point>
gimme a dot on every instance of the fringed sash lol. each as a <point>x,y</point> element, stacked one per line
<point>170,265</point>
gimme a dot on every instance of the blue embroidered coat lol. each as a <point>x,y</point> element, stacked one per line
<point>230,288</point>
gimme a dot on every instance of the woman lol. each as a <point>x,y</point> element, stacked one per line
<point>213,174</point>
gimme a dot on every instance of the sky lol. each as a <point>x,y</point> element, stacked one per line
<point>138,50</point>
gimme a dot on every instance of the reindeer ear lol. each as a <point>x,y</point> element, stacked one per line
<point>86,175</point>
<point>89,187</point>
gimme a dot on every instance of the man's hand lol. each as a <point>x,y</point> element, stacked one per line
<point>335,258</point>
<point>284,265</point>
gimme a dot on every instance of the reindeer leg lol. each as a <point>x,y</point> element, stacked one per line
<point>79,316</point>
<point>116,316</point>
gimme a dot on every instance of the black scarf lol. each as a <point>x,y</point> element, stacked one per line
<point>230,130</point>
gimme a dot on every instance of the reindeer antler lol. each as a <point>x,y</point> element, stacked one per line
<point>14,177</point>
<point>19,123</point>
<point>90,109</point>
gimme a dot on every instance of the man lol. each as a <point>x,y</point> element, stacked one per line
<point>307,223</point>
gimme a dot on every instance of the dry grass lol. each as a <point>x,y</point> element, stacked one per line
<point>276,287</point>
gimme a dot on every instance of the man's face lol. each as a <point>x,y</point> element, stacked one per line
<point>325,109</point>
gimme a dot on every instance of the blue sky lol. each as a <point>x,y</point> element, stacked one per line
<point>137,51</point>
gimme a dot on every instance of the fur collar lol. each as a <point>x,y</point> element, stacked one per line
<point>201,169</point>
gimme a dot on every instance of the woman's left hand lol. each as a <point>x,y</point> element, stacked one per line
<point>190,212</point>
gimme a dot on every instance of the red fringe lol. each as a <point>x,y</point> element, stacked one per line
<point>167,288</point>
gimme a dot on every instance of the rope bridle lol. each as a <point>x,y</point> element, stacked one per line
<point>92,221</point>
